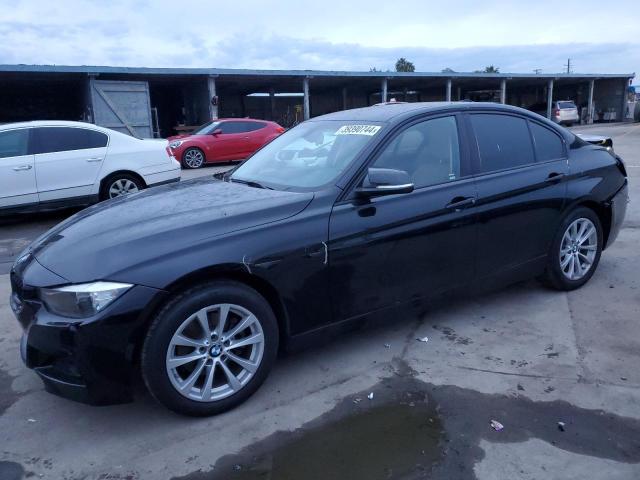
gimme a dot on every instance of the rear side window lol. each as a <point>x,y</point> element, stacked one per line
<point>547,144</point>
<point>566,105</point>
<point>503,141</point>
<point>62,139</point>
<point>253,126</point>
<point>14,143</point>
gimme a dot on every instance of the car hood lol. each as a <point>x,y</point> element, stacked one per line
<point>110,237</point>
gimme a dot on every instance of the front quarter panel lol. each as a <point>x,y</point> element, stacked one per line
<point>290,255</point>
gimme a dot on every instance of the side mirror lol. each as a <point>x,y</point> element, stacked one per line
<point>216,132</point>
<point>385,181</point>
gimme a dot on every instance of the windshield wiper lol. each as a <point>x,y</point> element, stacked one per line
<point>251,183</point>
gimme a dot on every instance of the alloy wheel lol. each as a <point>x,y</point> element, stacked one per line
<point>578,248</point>
<point>122,186</point>
<point>215,352</point>
<point>193,158</point>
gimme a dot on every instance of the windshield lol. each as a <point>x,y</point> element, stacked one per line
<point>207,128</point>
<point>308,156</point>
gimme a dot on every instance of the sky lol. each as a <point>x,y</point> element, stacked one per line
<point>464,35</point>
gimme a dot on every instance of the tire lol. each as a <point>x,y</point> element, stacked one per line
<point>177,332</point>
<point>193,158</point>
<point>561,272</point>
<point>120,184</point>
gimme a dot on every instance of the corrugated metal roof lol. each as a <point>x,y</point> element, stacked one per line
<point>94,69</point>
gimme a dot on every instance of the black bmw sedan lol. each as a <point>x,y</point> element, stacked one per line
<point>196,284</point>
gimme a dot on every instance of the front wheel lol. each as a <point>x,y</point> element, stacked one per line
<point>193,158</point>
<point>575,251</point>
<point>210,348</point>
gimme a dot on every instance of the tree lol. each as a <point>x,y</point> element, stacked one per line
<point>403,65</point>
<point>448,70</point>
<point>491,69</point>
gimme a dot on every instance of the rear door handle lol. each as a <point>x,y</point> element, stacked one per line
<point>555,177</point>
<point>94,159</point>
<point>458,203</point>
<point>22,167</point>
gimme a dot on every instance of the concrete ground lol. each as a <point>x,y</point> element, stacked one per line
<point>526,356</point>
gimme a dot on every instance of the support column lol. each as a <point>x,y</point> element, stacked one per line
<point>384,90</point>
<point>272,103</point>
<point>590,102</point>
<point>448,94</point>
<point>549,98</point>
<point>211,87</point>
<point>503,91</point>
<point>459,93</point>
<point>344,98</point>
<point>305,89</point>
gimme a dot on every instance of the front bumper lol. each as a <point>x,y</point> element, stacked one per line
<point>92,361</point>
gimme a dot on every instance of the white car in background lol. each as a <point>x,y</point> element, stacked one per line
<point>52,164</point>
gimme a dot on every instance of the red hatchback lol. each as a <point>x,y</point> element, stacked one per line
<point>223,140</point>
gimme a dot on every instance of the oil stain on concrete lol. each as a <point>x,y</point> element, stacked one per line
<point>411,429</point>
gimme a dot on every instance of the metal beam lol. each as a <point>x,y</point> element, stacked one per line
<point>211,87</point>
<point>272,103</point>
<point>448,94</point>
<point>503,91</point>
<point>590,102</point>
<point>549,98</point>
<point>384,90</point>
<point>305,89</point>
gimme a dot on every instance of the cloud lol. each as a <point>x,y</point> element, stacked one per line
<point>328,35</point>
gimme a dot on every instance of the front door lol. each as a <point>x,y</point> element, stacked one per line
<point>68,160</point>
<point>521,177</point>
<point>232,143</point>
<point>397,248</point>
<point>17,175</point>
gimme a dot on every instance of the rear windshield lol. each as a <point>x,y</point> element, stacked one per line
<point>566,105</point>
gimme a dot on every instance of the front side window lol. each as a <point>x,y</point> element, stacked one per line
<point>428,151</point>
<point>14,143</point>
<point>63,139</point>
<point>309,155</point>
<point>234,127</point>
<point>503,141</point>
<point>548,145</point>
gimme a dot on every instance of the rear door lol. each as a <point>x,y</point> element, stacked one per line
<point>257,133</point>
<point>397,248</point>
<point>67,160</point>
<point>17,172</point>
<point>521,175</point>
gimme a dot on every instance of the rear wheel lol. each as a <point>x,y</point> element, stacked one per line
<point>576,250</point>
<point>120,184</point>
<point>193,158</point>
<point>210,348</point>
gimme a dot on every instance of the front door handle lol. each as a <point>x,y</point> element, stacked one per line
<point>22,167</point>
<point>458,203</point>
<point>94,159</point>
<point>555,177</point>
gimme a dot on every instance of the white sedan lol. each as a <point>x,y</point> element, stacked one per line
<point>51,164</point>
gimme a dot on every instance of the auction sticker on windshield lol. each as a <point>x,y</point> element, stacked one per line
<point>369,130</point>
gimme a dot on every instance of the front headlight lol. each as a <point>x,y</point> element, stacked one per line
<point>82,300</point>
<point>176,143</point>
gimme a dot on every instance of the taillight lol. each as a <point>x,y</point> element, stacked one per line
<point>279,129</point>
<point>556,112</point>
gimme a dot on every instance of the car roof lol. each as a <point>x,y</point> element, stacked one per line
<point>241,119</point>
<point>53,123</point>
<point>393,112</point>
